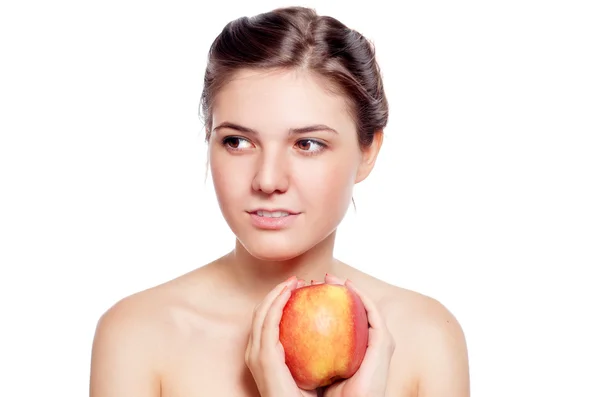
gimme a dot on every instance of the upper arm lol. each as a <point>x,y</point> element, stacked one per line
<point>123,357</point>
<point>443,358</point>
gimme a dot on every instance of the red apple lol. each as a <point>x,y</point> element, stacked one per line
<point>324,333</point>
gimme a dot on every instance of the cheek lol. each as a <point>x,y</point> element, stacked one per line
<point>230,179</point>
<point>330,182</point>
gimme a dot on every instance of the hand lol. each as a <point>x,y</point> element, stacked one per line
<point>371,378</point>
<point>265,357</point>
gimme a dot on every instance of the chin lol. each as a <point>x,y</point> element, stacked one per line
<point>274,247</point>
<point>278,245</point>
<point>282,244</point>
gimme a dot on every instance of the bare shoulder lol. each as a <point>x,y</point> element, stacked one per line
<point>125,354</point>
<point>133,337</point>
<point>431,349</point>
<point>418,313</point>
<point>439,351</point>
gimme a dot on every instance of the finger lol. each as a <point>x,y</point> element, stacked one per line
<point>262,309</point>
<point>270,329</point>
<point>248,349</point>
<point>378,332</point>
<point>331,279</point>
<point>301,283</point>
<point>375,319</point>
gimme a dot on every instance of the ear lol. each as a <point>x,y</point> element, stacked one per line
<point>369,156</point>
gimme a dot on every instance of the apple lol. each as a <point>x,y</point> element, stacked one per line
<point>324,332</point>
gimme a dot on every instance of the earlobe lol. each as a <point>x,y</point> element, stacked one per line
<point>369,156</point>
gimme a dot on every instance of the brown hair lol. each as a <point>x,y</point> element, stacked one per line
<point>296,37</point>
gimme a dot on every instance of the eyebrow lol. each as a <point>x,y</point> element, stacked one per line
<point>292,131</point>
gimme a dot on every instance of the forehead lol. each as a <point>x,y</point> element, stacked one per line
<point>277,100</point>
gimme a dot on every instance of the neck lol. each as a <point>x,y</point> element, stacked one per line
<point>257,277</point>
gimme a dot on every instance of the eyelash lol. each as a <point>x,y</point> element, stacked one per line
<point>321,145</point>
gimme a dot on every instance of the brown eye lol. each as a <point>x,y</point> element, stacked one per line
<point>234,142</point>
<point>304,145</point>
<point>309,145</point>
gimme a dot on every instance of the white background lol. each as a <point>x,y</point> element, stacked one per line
<point>486,194</point>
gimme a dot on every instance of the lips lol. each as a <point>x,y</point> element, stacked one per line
<point>273,213</point>
<point>273,219</point>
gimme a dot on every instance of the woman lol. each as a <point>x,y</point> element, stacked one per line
<point>295,110</point>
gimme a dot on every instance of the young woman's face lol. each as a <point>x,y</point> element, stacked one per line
<point>284,158</point>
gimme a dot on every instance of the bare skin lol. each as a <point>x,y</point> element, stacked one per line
<point>187,337</point>
<point>196,335</point>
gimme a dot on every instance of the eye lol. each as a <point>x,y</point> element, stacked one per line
<point>236,143</point>
<point>310,145</point>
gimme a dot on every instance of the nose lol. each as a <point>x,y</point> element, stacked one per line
<point>271,173</point>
